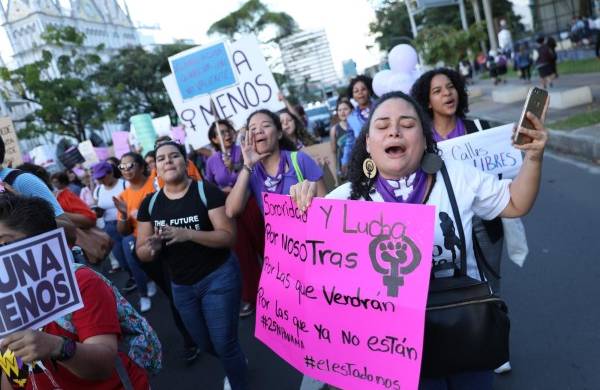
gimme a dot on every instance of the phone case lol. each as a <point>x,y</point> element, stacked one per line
<point>535,103</point>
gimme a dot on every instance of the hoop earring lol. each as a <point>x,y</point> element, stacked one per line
<point>369,168</point>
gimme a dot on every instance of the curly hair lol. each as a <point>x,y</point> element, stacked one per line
<point>301,133</point>
<point>361,185</point>
<point>421,88</point>
<point>284,142</point>
<point>366,80</point>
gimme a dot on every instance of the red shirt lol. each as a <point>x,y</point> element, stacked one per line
<point>71,203</point>
<point>98,316</point>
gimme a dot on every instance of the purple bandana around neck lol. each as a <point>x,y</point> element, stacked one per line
<point>273,184</point>
<point>409,189</point>
<point>456,132</point>
<point>234,154</point>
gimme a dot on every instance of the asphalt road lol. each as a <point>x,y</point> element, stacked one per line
<point>553,302</point>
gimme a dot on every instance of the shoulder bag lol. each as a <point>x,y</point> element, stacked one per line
<point>466,325</point>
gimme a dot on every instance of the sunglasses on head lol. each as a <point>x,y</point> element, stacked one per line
<point>126,167</point>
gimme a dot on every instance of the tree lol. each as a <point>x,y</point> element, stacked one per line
<point>448,44</point>
<point>253,17</point>
<point>132,81</point>
<point>65,97</point>
<point>392,25</point>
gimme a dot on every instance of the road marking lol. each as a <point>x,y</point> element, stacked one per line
<point>586,166</point>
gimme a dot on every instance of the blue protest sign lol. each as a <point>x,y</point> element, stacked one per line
<point>202,70</point>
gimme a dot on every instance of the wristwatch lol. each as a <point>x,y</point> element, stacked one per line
<point>67,350</point>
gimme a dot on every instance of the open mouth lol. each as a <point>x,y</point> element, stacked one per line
<point>449,103</point>
<point>395,151</point>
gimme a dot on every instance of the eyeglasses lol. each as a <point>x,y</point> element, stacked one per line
<point>126,167</point>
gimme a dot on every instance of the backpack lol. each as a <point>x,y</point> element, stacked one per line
<point>200,191</point>
<point>299,175</point>
<point>12,176</point>
<point>138,339</point>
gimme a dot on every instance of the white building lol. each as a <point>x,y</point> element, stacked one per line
<point>102,21</point>
<point>307,59</point>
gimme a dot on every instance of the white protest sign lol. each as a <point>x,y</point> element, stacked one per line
<point>44,156</point>
<point>11,142</point>
<point>86,148</point>
<point>196,113</point>
<point>162,125</point>
<point>256,86</point>
<point>489,150</point>
<point>255,89</point>
<point>37,282</point>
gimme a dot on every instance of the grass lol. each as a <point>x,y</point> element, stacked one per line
<point>577,121</point>
<point>590,65</point>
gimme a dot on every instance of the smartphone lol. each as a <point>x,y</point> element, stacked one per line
<point>535,103</point>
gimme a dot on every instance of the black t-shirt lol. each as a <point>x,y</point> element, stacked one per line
<point>188,262</point>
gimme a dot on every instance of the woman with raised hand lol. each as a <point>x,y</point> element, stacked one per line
<point>222,169</point>
<point>395,160</point>
<point>271,164</point>
<point>185,225</point>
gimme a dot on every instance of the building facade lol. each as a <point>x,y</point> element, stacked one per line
<point>307,60</point>
<point>102,21</point>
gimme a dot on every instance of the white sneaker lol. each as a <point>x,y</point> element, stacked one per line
<point>151,286</point>
<point>226,385</point>
<point>503,368</point>
<point>145,304</point>
<point>114,264</point>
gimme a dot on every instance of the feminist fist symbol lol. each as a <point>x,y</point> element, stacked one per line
<point>393,253</point>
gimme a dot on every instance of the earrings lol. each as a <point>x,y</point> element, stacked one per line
<point>369,168</point>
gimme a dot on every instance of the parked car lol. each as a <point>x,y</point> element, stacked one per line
<point>319,119</point>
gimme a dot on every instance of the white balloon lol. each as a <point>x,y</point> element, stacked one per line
<point>403,58</point>
<point>381,82</point>
<point>402,82</point>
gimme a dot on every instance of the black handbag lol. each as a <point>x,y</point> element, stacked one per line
<point>466,325</point>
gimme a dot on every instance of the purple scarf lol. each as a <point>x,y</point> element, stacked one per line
<point>272,183</point>
<point>235,155</point>
<point>456,132</point>
<point>409,189</point>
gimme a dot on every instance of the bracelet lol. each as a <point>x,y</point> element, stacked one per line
<point>250,170</point>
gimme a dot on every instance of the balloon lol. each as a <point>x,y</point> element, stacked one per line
<point>399,80</point>
<point>381,82</point>
<point>403,58</point>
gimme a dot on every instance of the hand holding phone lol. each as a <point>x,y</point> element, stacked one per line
<point>535,103</point>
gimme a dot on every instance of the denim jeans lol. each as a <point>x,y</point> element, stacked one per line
<point>210,311</point>
<point>110,227</point>
<point>140,277</point>
<point>472,380</point>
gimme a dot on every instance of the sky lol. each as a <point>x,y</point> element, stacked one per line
<point>345,21</point>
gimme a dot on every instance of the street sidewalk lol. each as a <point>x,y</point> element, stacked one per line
<point>582,143</point>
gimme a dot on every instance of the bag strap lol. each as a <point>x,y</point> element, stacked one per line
<point>12,176</point>
<point>152,201</point>
<point>461,232</point>
<point>202,193</point>
<point>299,175</point>
<point>459,225</point>
<point>123,374</point>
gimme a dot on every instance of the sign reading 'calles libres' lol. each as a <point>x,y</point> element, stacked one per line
<point>344,287</point>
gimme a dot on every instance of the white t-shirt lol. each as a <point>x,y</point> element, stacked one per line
<point>477,193</point>
<point>104,199</point>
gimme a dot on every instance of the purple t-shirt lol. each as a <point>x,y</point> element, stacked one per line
<point>217,173</point>
<point>310,170</point>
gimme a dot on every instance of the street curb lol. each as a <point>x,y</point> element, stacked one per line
<point>582,146</point>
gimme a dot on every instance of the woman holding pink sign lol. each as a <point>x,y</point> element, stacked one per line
<point>395,159</point>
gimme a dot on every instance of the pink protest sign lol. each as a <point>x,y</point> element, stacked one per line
<point>102,153</point>
<point>343,290</point>
<point>178,134</point>
<point>121,143</point>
